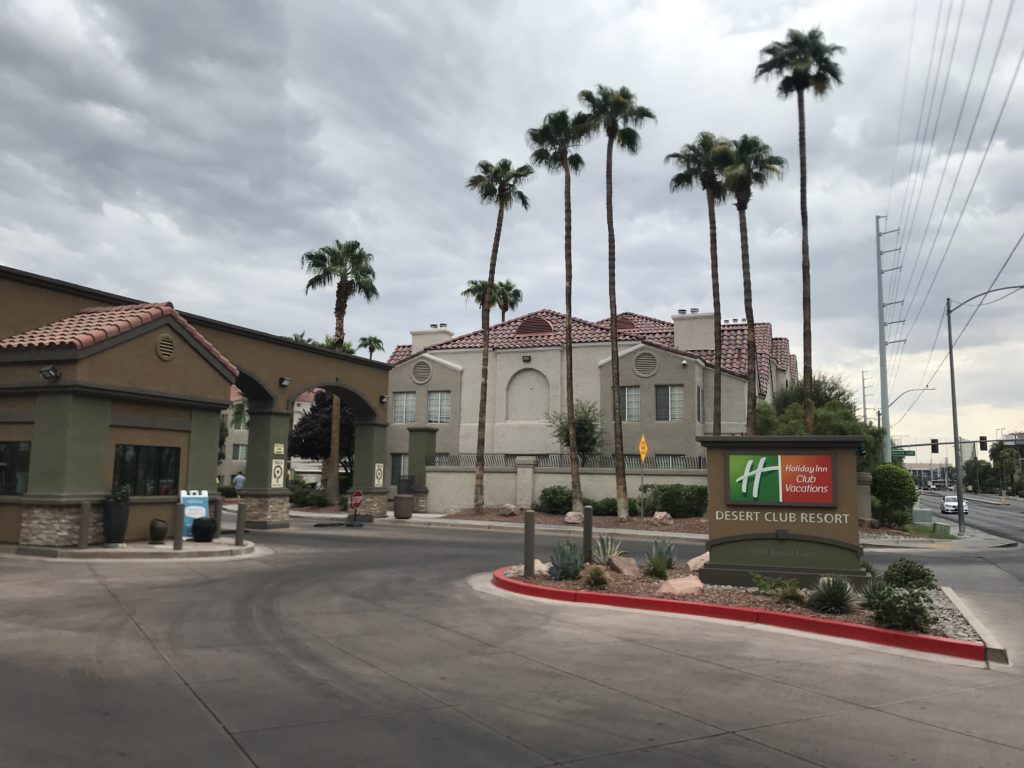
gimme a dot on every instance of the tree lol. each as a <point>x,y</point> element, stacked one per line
<point>616,112</point>
<point>980,474</point>
<point>310,438</point>
<point>894,490</point>
<point>699,163</point>
<point>749,164</point>
<point>327,343</point>
<point>1005,462</point>
<point>824,389</point>
<point>554,144</point>
<point>803,61</point>
<point>371,344</point>
<point>507,294</point>
<point>498,184</point>
<point>589,434</point>
<point>350,267</point>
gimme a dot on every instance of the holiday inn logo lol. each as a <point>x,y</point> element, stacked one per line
<point>777,479</point>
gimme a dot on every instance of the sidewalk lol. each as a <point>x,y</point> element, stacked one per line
<point>137,550</point>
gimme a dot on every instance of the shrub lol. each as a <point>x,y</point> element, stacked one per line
<point>893,518</point>
<point>605,548</point>
<point>302,495</point>
<point>555,500</point>
<point>766,585</point>
<point>664,550</point>
<point>894,488</point>
<point>832,594</point>
<point>903,609</point>
<point>872,591</point>
<point>595,577</point>
<point>679,500</point>
<point>869,569</point>
<point>566,561</point>
<point>789,592</point>
<point>656,566</point>
<point>227,491</point>
<point>605,507</point>
<point>909,574</point>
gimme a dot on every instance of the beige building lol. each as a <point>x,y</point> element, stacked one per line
<point>666,385</point>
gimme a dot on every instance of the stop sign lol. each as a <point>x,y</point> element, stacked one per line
<point>357,500</point>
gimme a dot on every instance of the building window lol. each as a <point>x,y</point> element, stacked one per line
<point>700,404</point>
<point>239,452</point>
<point>400,472</point>
<point>629,403</point>
<point>439,407</point>
<point>668,402</point>
<point>14,468</point>
<point>405,408</point>
<point>149,470</point>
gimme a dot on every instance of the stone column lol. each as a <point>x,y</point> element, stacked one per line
<point>863,495</point>
<point>266,493</point>
<point>422,447</point>
<point>370,451</point>
<point>525,466</point>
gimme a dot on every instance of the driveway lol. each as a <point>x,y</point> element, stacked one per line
<point>378,647</point>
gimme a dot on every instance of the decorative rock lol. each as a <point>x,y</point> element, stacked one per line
<point>686,585</point>
<point>574,518</point>
<point>696,563</point>
<point>508,510</point>
<point>540,569</point>
<point>625,565</point>
<point>662,518</point>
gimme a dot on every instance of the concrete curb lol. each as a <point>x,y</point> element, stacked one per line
<point>961,649</point>
<point>133,552</point>
<point>995,653</point>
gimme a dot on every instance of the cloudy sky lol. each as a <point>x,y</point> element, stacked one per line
<point>193,151</point>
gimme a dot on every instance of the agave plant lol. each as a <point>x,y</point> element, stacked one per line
<point>566,561</point>
<point>665,550</point>
<point>605,548</point>
<point>873,592</point>
<point>832,594</point>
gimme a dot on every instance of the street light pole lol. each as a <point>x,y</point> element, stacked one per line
<point>956,430</point>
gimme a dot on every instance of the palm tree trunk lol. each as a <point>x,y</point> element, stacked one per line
<point>485,324</point>
<point>570,389</point>
<point>331,481</point>
<point>621,495</point>
<point>716,302</point>
<point>748,307</point>
<point>805,266</point>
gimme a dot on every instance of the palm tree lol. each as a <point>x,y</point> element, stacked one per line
<point>616,112</point>
<point>699,163</point>
<point>803,60</point>
<point>750,163</point>
<point>507,295</point>
<point>371,344</point>
<point>553,145</point>
<point>351,268</point>
<point>498,184</point>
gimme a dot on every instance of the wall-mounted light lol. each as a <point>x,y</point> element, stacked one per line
<point>684,362</point>
<point>527,358</point>
<point>284,381</point>
<point>50,373</point>
<point>383,399</point>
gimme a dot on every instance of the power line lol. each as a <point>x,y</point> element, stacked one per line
<point>903,102</point>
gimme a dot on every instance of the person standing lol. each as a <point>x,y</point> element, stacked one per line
<point>238,483</point>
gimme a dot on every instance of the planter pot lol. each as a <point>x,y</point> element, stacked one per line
<point>115,521</point>
<point>403,506</point>
<point>157,531</point>
<point>203,529</point>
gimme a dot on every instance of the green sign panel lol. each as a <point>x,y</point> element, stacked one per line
<point>784,479</point>
<point>903,452</point>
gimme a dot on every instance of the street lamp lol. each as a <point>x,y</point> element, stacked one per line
<point>952,388</point>
<point>887,438</point>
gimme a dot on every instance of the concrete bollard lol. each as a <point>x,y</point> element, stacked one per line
<point>240,524</point>
<point>179,527</point>
<point>588,533</point>
<point>529,542</point>
<point>218,514</point>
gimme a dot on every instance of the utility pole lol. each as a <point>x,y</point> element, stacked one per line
<point>863,397</point>
<point>883,372</point>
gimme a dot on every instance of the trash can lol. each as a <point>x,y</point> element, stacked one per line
<point>403,506</point>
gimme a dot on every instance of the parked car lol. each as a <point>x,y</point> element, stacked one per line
<point>949,505</point>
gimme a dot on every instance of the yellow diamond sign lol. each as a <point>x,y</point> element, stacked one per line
<point>643,448</point>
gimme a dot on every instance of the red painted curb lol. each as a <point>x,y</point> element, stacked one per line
<point>961,649</point>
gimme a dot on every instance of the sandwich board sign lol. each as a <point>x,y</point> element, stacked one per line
<point>197,504</point>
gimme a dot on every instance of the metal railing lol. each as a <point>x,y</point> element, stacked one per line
<point>561,461</point>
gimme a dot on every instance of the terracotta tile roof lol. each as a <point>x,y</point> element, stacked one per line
<point>98,324</point>
<point>400,353</point>
<point>543,328</point>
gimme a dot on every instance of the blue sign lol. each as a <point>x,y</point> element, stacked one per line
<point>197,504</point>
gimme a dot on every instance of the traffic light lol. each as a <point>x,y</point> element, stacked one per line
<point>983,440</point>
<point>935,445</point>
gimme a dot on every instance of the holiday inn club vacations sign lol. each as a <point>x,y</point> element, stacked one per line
<point>790,479</point>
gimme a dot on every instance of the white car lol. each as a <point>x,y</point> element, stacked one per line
<point>949,505</point>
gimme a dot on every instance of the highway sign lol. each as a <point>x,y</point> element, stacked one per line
<point>903,452</point>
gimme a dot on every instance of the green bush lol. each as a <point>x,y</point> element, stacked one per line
<point>605,548</point>
<point>555,500</point>
<point>302,495</point>
<point>907,610</point>
<point>595,577</point>
<point>895,518</point>
<point>656,566</point>
<point>789,592</point>
<point>909,574</point>
<point>227,491</point>
<point>894,489</point>
<point>872,591</point>
<point>766,585</point>
<point>832,594</point>
<point>566,561</point>
<point>678,500</point>
<point>663,550</point>
<point>605,507</point>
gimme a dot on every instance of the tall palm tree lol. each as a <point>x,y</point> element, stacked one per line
<point>371,344</point>
<point>553,146</point>
<point>699,164</point>
<point>615,112</point>
<point>750,164</point>
<point>803,60</point>
<point>497,184</point>
<point>507,295</point>
<point>350,268</point>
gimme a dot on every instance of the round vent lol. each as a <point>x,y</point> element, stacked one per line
<point>531,326</point>
<point>625,323</point>
<point>421,372</point>
<point>645,364</point>
<point>165,347</point>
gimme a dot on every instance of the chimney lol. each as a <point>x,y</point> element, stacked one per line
<point>428,338</point>
<point>694,330</point>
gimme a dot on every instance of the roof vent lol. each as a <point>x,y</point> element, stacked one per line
<point>165,347</point>
<point>626,323</point>
<point>443,325</point>
<point>421,372</point>
<point>534,325</point>
<point>433,325</point>
<point>694,310</point>
<point>645,364</point>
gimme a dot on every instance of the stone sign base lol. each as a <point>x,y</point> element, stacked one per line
<point>265,509</point>
<point>734,560</point>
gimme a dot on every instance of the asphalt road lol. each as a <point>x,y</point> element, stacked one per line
<point>986,513</point>
<point>377,647</point>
